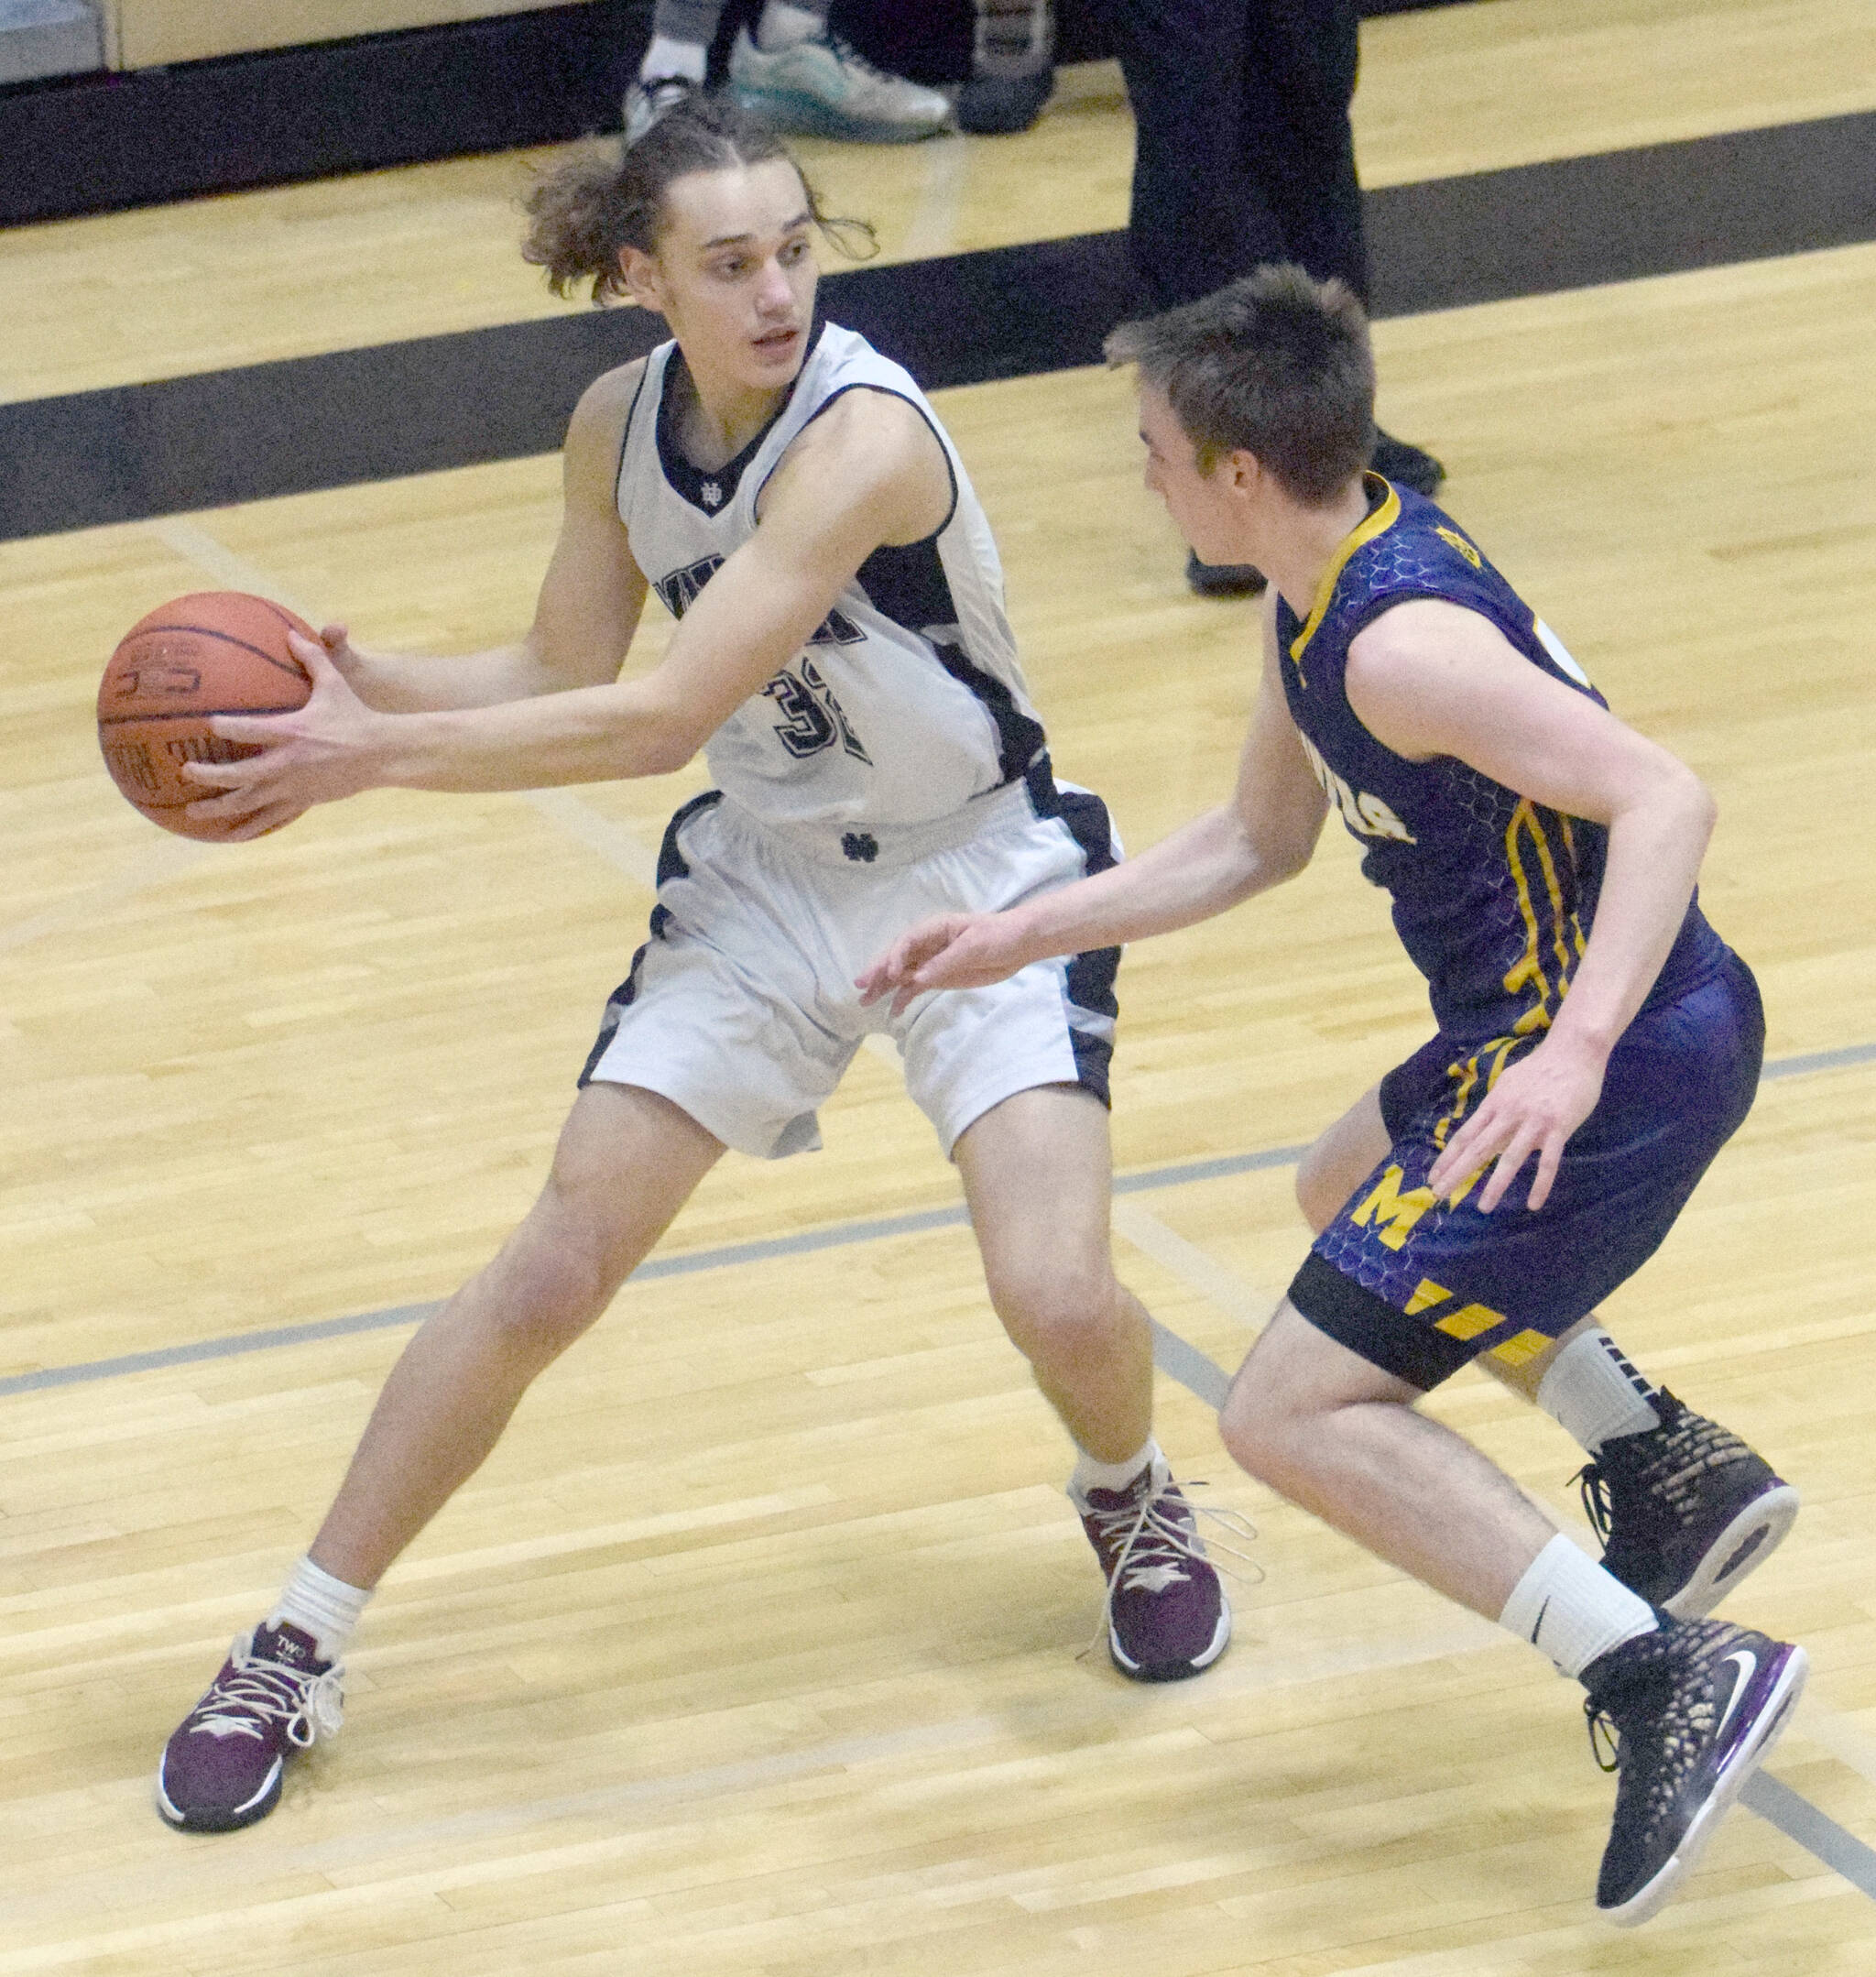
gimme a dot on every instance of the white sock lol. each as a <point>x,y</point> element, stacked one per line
<point>1567,1606</point>
<point>666,57</point>
<point>1593,1392</point>
<point>320,1605</point>
<point>782,26</point>
<point>1116,1476</point>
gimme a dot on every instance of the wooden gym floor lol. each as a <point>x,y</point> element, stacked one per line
<point>754,1647</point>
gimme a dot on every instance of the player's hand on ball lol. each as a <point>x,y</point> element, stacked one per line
<point>1533,1108</point>
<point>328,750</point>
<point>950,951</point>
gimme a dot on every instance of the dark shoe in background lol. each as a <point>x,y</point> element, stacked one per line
<point>1405,465</point>
<point>1224,579</point>
<point>1012,68</point>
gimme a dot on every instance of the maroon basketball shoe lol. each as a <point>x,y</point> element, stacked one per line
<point>273,1697</point>
<point>1166,1612</point>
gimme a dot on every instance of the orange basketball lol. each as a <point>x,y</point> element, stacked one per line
<point>214,651</point>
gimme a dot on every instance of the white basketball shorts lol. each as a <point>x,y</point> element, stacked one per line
<point>741,1006</point>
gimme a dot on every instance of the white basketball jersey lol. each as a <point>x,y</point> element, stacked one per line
<point>908,701</point>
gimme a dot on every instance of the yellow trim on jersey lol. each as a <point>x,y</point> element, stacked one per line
<point>1377,523</point>
<point>1530,967</point>
<point>1520,1350</point>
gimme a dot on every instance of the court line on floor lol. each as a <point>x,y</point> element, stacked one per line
<point>1777,1803</point>
<point>833,1235</point>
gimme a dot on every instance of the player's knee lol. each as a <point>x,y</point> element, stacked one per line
<point>556,1278</point>
<point>1319,1191</point>
<point>1053,1305</point>
<point>1265,1433</point>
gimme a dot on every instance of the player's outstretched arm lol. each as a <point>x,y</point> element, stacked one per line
<point>590,599</point>
<point>866,473</point>
<point>1264,834</point>
<point>1429,678</point>
<point>358,720</point>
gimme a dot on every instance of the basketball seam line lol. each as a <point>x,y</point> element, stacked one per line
<point>192,714</point>
<point>215,631</point>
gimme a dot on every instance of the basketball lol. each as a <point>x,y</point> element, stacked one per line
<point>214,651</point>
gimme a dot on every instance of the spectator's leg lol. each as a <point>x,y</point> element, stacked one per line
<point>1198,218</point>
<point>1300,58</point>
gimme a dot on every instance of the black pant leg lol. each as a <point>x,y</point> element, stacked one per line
<point>1201,213</point>
<point>1299,145</point>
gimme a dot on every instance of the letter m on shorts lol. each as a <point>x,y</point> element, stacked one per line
<point>1393,1213</point>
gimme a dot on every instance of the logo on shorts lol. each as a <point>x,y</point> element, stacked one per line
<point>861,846</point>
<point>1393,1211</point>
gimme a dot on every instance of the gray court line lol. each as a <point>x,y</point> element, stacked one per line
<point>1798,1820</point>
<point>1194,1370</point>
<point>837,1235</point>
<point>1822,1059</point>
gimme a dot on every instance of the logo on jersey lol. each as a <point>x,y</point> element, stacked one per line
<point>1364,814</point>
<point>711,493</point>
<point>1459,542</point>
<point>681,588</point>
<point>814,719</point>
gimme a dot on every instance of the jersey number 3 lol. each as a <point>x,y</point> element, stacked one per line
<point>814,719</point>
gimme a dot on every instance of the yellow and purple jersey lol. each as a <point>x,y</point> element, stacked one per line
<point>1493,894</point>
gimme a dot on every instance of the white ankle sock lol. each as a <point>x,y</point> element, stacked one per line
<point>320,1605</point>
<point>1116,1476</point>
<point>666,57</point>
<point>1567,1606</point>
<point>1593,1392</point>
<point>782,26</point>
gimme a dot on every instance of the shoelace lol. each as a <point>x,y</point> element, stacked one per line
<point>259,1691</point>
<point>1591,1481</point>
<point>1684,1719</point>
<point>1603,1736</point>
<point>1152,1541</point>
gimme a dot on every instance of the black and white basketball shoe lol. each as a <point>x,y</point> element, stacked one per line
<point>1693,1709</point>
<point>1684,1509</point>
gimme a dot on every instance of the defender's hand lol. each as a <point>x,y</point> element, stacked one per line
<point>951,951</point>
<point>330,748</point>
<point>1534,1108</point>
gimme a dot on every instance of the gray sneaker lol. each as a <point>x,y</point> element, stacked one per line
<point>823,87</point>
<point>649,97</point>
<point>1167,1617</point>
